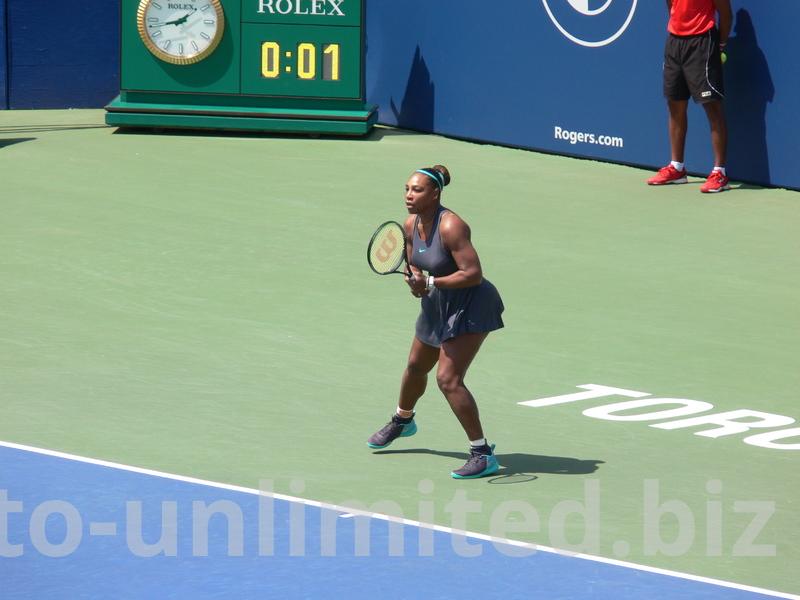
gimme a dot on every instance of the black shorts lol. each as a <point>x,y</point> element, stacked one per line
<point>693,67</point>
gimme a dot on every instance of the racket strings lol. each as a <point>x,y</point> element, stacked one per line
<point>387,249</point>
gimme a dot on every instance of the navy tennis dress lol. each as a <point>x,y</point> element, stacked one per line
<point>448,313</point>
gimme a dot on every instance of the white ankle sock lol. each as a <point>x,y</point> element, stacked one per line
<point>406,411</point>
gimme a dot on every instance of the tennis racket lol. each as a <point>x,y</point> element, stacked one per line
<point>386,252</point>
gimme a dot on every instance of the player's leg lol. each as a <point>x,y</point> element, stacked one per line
<point>455,357</point>
<point>421,361</point>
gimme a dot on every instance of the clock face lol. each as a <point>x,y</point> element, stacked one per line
<point>181,32</point>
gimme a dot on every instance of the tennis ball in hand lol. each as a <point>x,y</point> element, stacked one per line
<point>724,58</point>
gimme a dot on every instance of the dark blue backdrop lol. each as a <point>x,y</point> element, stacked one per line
<point>61,54</point>
<point>3,57</point>
<point>530,73</point>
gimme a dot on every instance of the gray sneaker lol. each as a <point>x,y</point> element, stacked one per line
<point>479,464</point>
<point>393,430</point>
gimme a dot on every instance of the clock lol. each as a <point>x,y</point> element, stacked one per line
<point>181,32</point>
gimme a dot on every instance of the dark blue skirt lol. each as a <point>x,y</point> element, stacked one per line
<point>449,313</point>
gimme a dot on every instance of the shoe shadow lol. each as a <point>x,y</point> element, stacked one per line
<point>518,467</point>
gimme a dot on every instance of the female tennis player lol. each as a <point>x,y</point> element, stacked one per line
<point>459,309</point>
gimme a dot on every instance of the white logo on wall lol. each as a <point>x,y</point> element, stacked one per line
<point>591,23</point>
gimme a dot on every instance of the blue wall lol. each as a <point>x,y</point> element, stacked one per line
<point>61,54</point>
<point>501,72</point>
<point>3,57</point>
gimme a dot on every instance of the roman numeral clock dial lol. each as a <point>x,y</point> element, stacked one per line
<point>182,32</point>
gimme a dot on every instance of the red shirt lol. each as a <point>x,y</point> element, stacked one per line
<point>691,17</point>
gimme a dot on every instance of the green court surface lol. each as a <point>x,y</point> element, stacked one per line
<point>200,304</point>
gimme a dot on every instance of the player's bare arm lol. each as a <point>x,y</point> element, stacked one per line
<point>456,238</point>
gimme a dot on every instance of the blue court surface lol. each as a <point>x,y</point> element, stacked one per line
<point>72,527</point>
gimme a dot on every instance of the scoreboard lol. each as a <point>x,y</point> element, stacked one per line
<point>271,65</point>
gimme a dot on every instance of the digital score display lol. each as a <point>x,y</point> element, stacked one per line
<point>301,60</point>
<point>306,61</point>
<point>303,48</point>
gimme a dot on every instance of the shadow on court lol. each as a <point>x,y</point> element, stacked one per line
<point>376,134</point>
<point>518,467</point>
<point>46,128</point>
<point>12,141</point>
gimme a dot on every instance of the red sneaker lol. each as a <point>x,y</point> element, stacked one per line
<point>668,174</point>
<point>716,182</point>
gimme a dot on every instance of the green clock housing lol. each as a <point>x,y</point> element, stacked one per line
<point>272,65</point>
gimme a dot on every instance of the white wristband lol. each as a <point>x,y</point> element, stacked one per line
<point>430,285</point>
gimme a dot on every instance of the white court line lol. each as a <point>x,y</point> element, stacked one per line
<point>348,511</point>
